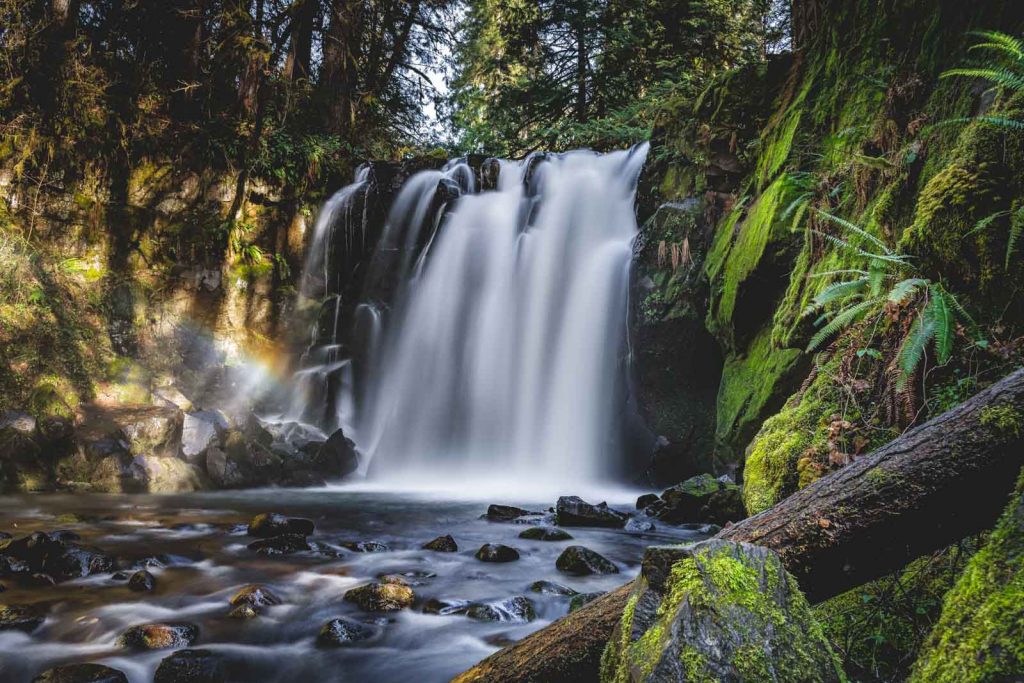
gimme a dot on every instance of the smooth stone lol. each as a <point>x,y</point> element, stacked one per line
<point>26,618</point>
<point>581,561</point>
<point>338,632</point>
<point>365,546</point>
<point>645,500</point>
<point>381,597</point>
<point>442,544</point>
<point>281,545</point>
<point>545,533</point>
<point>271,524</point>
<point>637,525</point>
<point>574,511</point>
<point>445,607</point>
<point>582,599</point>
<point>159,636</point>
<point>243,612</point>
<point>142,581</point>
<point>505,513</point>
<point>518,610</point>
<point>191,666</point>
<point>551,588</point>
<point>81,673</point>
<point>495,552</point>
<point>255,595</point>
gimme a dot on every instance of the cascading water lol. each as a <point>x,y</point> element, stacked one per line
<point>502,352</point>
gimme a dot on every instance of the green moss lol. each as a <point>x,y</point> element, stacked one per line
<point>1004,419</point>
<point>980,636</point>
<point>53,396</point>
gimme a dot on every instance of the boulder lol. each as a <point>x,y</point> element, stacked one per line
<point>516,610</point>
<point>719,611</point>
<point>639,525</point>
<point>25,618</point>
<point>225,473</point>
<point>81,673</point>
<point>150,430</point>
<point>495,552</point>
<point>645,500</point>
<point>551,588</point>
<point>285,544</point>
<point>581,561</point>
<point>191,666</point>
<point>270,524</point>
<point>337,457</point>
<point>442,544</point>
<point>255,595</point>
<point>700,499</point>
<point>381,597</point>
<point>200,431</point>
<point>142,581</point>
<point>545,533</point>
<point>170,396</point>
<point>339,632</point>
<point>159,636</point>
<point>54,555</point>
<point>505,513</point>
<point>164,474</point>
<point>580,599</point>
<point>574,511</point>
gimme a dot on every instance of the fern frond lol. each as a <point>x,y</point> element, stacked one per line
<point>999,76</point>
<point>1016,228</point>
<point>912,350</point>
<point>876,278</point>
<point>904,289</point>
<point>940,317</point>
<point>839,291</point>
<point>1001,122</point>
<point>844,271</point>
<point>985,222</point>
<point>841,321</point>
<point>1002,42</point>
<point>857,230</point>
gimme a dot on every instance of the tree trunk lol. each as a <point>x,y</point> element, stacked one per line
<point>582,61</point>
<point>341,65</point>
<point>297,64</point>
<point>933,486</point>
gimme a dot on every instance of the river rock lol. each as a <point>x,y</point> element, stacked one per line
<point>285,544</point>
<point>639,525</point>
<point>42,553</point>
<point>581,561</point>
<point>516,610</point>
<point>551,588</point>
<point>166,474</point>
<point>271,524</point>
<point>735,616</point>
<point>700,499</point>
<point>365,546</point>
<point>25,618</point>
<point>545,533</point>
<point>581,599</point>
<point>255,595</point>
<point>338,456</point>
<point>645,500</point>
<point>442,544</point>
<point>445,607</point>
<point>159,636</point>
<point>200,431</point>
<point>149,431</point>
<point>574,511</point>
<point>142,581</point>
<point>505,513</point>
<point>243,613</point>
<point>495,552</point>
<point>191,666</point>
<point>339,632</point>
<point>381,597</point>
<point>81,673</point>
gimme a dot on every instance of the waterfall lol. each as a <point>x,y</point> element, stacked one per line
<point>500,351</point>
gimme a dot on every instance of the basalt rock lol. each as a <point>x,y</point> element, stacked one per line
<point>495,552</point>
<point>505,513</point>
<point>159,636</point>
<point>81,673</point>
<point>545,533</point>
<point>381,597</point>
<point>339,632</point>
<point>271,524</point>
<point>442,544</point>
<point>645,500</point>
<point>338,457</point>
<point>574,511</point>
<point>581,561</point>
<point>191,666</point>
<point>516,610</point>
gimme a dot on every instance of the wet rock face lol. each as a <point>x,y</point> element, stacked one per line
<point>200,431</point>
<point>81,673</point>
<point>159,636</point>
<point>717,610</point>
<point>442,544</point>
<point>700,499</point>
<point>574,511</point>
<point>271,524</point>
<point>338,457</point>
<point>25,618</point>
<point>545,533</point>
<point>191,666</point>
<point>495,552</point>
<point>581,561</point>
<point>381,597</point>
<point>516,610</point>
<point>340,632</point>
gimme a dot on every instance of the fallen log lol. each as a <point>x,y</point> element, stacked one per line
<point>934,485</point>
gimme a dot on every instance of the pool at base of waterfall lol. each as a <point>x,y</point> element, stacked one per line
<point>428,614</point>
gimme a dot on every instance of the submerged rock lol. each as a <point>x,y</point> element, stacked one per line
<point>81,673</point>
<point>365,546</point>
<point>574,511</point>
<point>191,666</point>
<point>735,616</point>
<point>442,544</point>
<point>243,612</point>
<point>545,533</point>
<point>255,595</point>
<point>495,552</point>
<point>25,618</point>
<point>581,599</point>
<point>638,525</point>
<point>505,513</point>
<point>159,636</point>
<point>518,610</point>
<point>142,581</point>
<point>445,607</point>
<point>581,561</point>
<point>381,597</point>
<point>338,632</point>
<point>271,524</point>
<point>281,545</point>
<point>551,588</point>
<point>338,457</point>
<point>700,499</point>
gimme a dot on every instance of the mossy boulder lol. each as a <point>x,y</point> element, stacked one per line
<point>159,636</point>
<point>700,499</point>
<point>381,597</point>
<point>980,636</point>
<point>717,611</point>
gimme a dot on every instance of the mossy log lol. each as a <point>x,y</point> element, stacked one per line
<point>934,485</point>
